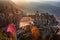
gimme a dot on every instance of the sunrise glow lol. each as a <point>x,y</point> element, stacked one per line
<point>25,0</point>
<point>32,0</point>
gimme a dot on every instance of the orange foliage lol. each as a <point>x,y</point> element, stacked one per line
<point>35,32</point>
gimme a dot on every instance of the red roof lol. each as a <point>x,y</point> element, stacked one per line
<point>11,28</point>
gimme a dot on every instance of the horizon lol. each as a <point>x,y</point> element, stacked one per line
<point>34,0</point>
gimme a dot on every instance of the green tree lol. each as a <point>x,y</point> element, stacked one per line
<point>2,37</point>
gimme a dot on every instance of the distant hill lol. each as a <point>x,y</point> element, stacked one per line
<point>57,4</point>
<point>50,7</point>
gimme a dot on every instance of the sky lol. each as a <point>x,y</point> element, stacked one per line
<point>34,0</point>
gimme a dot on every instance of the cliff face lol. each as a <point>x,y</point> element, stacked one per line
<point>9,5</point>
<point>9,12</point>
